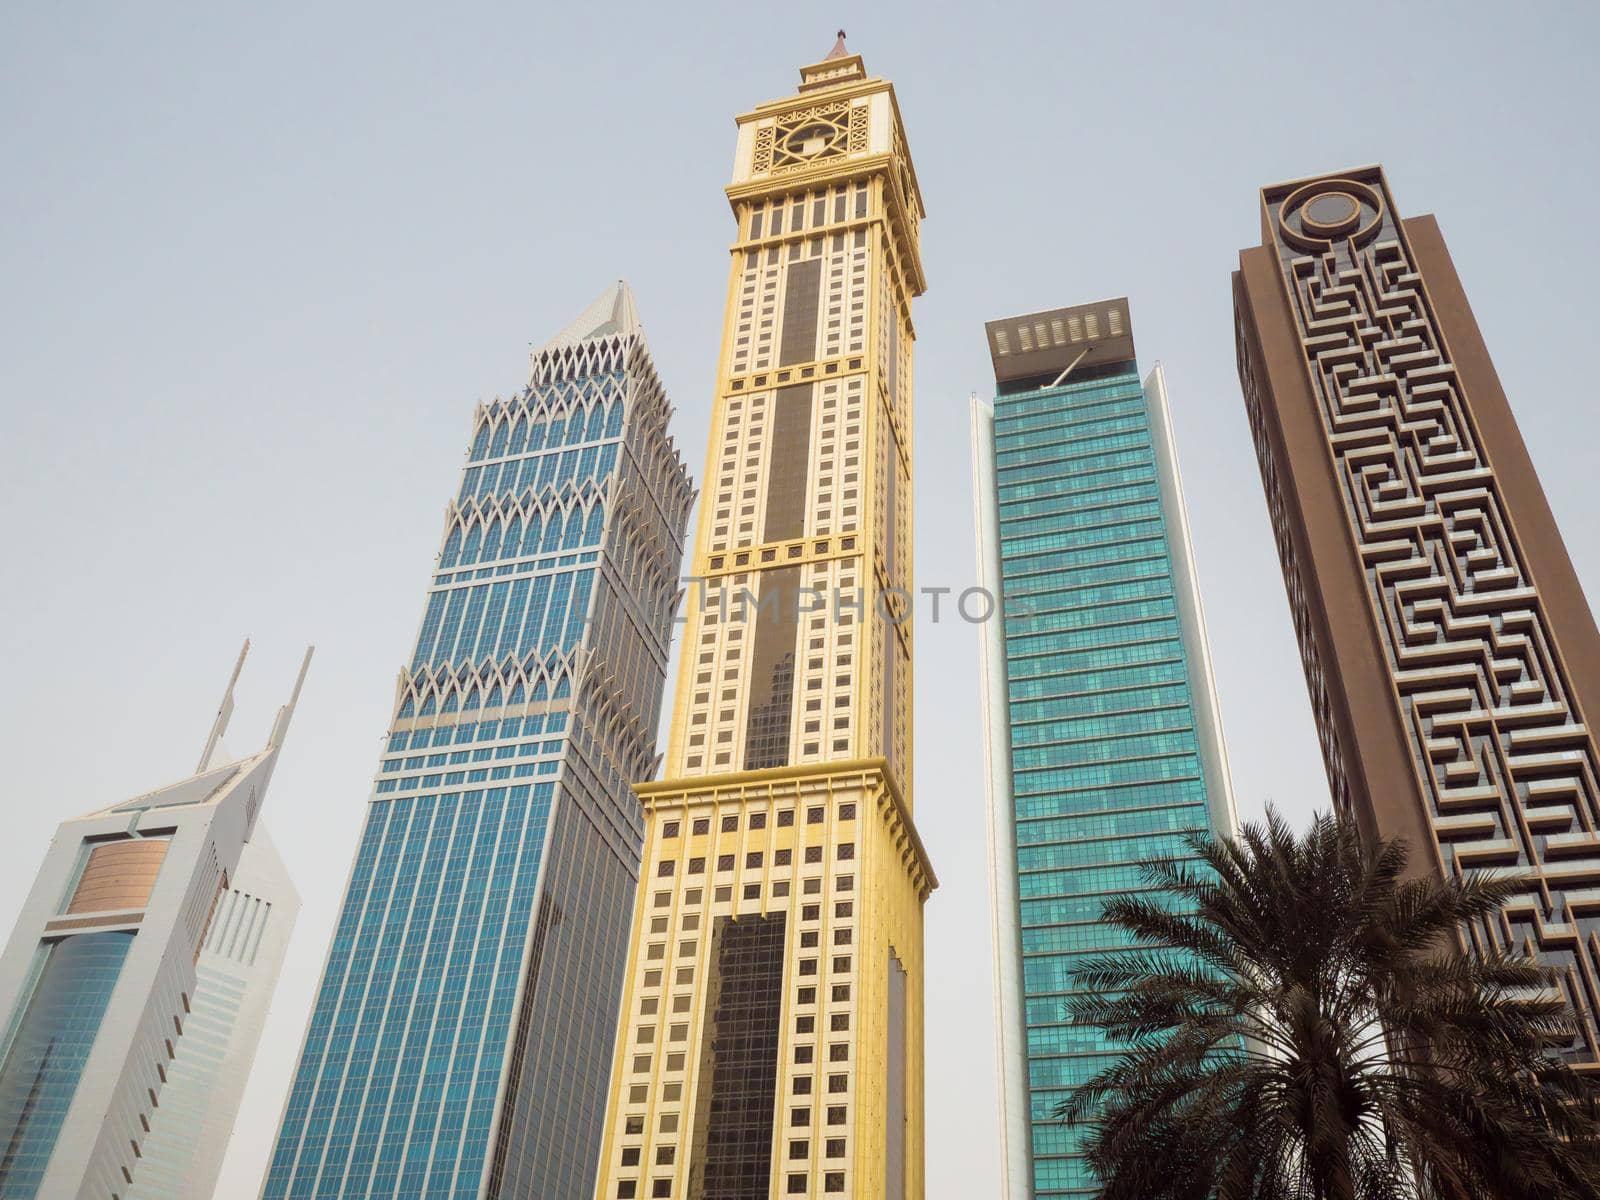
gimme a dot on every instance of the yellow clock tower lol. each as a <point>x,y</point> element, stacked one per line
<point>770,1037</point>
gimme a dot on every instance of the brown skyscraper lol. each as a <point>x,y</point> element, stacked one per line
<point>1452,660</point>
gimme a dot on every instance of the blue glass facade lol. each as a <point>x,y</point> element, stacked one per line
<point>483,930</point>
<point>1105,758</point>
<point>48,1049</point>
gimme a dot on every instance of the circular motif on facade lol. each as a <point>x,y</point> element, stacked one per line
<point>1318,214</point>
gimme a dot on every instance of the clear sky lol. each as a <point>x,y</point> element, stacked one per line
<point>257,263</point>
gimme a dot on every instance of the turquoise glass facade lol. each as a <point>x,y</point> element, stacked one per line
<point>48,1050</point>
<point>1104,754</point>
<point>459,1040</point>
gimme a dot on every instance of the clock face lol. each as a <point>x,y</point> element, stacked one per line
<point>809,140</point>
<point>802,138</point>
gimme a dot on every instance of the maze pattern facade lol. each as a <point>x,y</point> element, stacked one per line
<point>1443,633</point>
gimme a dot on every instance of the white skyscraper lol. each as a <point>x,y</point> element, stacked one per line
<point>135,983</point>
<point>235,978</point>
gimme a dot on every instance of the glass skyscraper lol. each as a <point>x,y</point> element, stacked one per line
<point>1102,734</point>
<point>460,1038</point>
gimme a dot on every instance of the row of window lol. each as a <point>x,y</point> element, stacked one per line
<point>1059,517</point>
<point>1109,851</point>
<point>1171,718</point>
<point>729,822</point>
<point>1068,494</point>
<point>1018,489</point>
<point>1139,545</point>
<point>1066,443</point>
<point>1144,770</point>
<point>481,754</point>
<point>1091,634</point>
<point>490,622</point>
<point>1105,749</point>
<point>478,731</point>
<point>1127,572</point>
<point>1106,796</point>
<point>1092,704</point>
<point>1082,826</point>
<point>524,435</point>
<point>844,852</point>
<point>473,540</point>
<point>1051,614</point>
<point>1054,399</point>
<point>1118,453</point>
<point>1010,430</point>
<point>1070,662</point>
<point>411,783</point>
<point>1032,604</point>
<point>532,475</point>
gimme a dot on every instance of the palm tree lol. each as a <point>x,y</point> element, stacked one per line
<point>1300,1022</point>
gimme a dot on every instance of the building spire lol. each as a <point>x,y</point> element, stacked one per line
<point>840,66</point>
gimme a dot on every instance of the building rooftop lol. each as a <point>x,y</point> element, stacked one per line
<point>1044,344</point>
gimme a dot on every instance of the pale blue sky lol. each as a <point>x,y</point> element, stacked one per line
<point>257,264</point>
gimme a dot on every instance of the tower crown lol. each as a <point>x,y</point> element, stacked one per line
<point>838,66</point>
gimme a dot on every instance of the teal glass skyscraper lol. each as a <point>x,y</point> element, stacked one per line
<point>1103,742</point>
<point>460,1039</point>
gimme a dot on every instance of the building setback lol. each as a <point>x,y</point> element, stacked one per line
<point>459,1038</point>
<point>1452,660</point>
<point>770,1040</point>
<point>1102,734</point>
<point>139,966</point>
